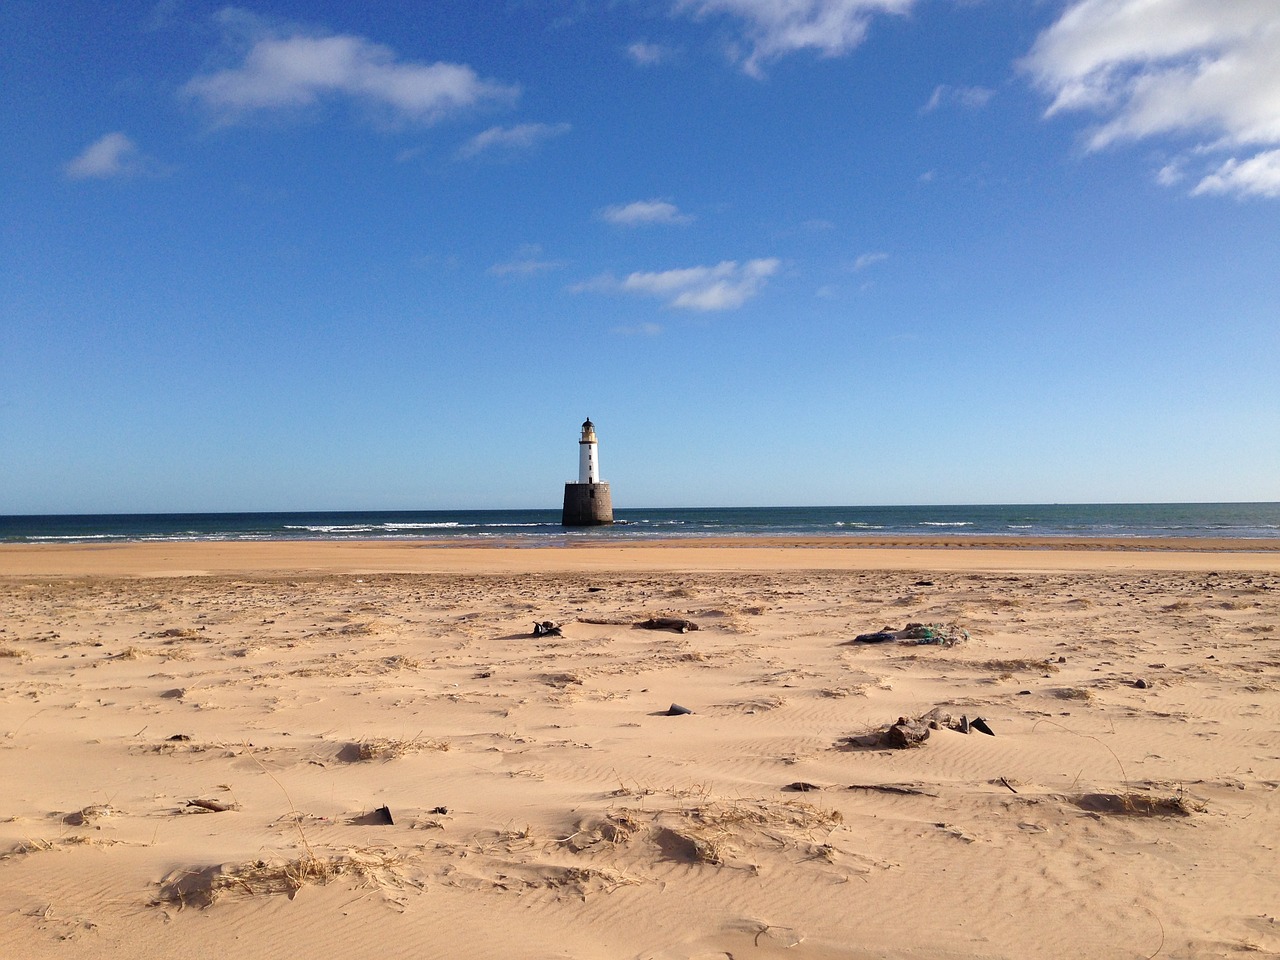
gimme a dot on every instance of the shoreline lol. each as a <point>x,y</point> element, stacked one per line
<point>285,557</point>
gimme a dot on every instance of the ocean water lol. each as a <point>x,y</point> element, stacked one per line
<point>542,527</point>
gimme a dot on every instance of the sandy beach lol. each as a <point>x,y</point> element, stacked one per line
<point>275,749</point>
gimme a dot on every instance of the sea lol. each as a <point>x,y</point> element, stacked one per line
<point>541,527</point>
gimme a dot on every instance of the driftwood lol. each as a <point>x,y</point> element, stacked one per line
<point>669,623</point>
<point>217,806</point>
<point>900,789</point>
<point>905,733</point>
<point>653,623</point>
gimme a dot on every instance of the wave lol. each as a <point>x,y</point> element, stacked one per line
<point>442,525</point>
<point>942,523</point>
<point>79,536</point>
<point>332,528</point>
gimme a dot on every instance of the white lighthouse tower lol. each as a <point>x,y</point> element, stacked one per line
<point>588,454</point>
<point>588,502</point>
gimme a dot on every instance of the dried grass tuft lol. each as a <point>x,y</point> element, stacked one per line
<point>563,679</point>
<point>204,886</point>
<point>7,651</point>
<point>1017,666</point>
<point>389,748</point>
<point>714,831</point>
<point>174,634</point>
<point>1139,804</point>
<point>401,662</point>
<point>360,629</point>
<point>1073,693</point>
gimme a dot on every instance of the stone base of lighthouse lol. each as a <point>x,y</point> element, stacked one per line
<point>587,505</point>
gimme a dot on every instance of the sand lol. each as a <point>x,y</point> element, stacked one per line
<point>200,745</point>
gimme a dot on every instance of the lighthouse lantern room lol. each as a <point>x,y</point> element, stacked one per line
<point>587,503</point>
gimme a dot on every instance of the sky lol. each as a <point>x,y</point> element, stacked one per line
<point>389,255</point>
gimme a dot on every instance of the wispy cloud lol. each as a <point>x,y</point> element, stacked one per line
<point>297,68</point>
<point>1258,176</point>
<point>113,155</point>
<point>522,136</point>
<point>971,98</point>
<point>869,260</point>
<point>1200,69</point>
<point>725,286</point>
<point>647,54</point>
<point>775,28</point>
<point>644,213</point>
<point>639,330</point>
<point>528,262</point>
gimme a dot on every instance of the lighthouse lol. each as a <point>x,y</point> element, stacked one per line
<point>587,503</point>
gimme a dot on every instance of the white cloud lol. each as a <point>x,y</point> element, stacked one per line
<point>971,98</point>
<point>647,54</point>
<point>1258,176</point>
<point>725,286</point>
<point>299,69</point>
<point>527,263</point>
<point>869,260</point>
<point>1170,174</point>
<point>775,28</point>
<point>113,155</point>
<point>643,212</point>
<point>522,136</point>
<point>1203,69</point>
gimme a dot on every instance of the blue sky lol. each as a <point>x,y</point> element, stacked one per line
<point>390,255</point>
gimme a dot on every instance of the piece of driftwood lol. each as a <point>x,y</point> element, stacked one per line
<point>217,806</point>
<point>669,623</point>
<point>900,789</point>
<point>905,733</point>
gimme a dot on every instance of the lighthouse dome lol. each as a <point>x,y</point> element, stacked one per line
<point>588,431</point>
